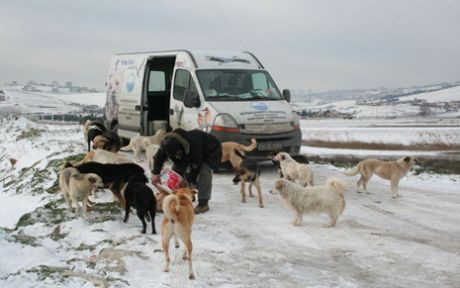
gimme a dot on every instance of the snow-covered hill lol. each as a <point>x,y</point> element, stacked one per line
<point>399,109</point>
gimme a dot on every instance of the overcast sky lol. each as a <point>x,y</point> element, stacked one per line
<point>317,45</point>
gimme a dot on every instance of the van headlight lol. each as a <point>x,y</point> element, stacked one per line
<point>296,123</point>
<point>225,123</point>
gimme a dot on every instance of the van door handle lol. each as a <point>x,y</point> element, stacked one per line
<point>171,112</point>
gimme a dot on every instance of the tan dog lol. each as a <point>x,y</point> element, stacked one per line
<point>294,171</point>
<point>327,199</point>
<point>139,143</point>
<point>76,186</point>
<point>178,219</point>
<point>389,170</point>
<point>104,156</point>
<point>228,152</point>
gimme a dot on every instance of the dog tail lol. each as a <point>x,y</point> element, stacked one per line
<point>171,207</point>
<point>336,184</point>
<point>128,147</point>
<point>250,147</point>
<point>353,172</point>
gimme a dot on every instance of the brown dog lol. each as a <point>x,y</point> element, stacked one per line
<point>178,219</point>
<point>389,170</point>
<point>228,152</point>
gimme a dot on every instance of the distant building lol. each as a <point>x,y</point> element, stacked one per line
<point>68,84</point>
<point>2,95</point>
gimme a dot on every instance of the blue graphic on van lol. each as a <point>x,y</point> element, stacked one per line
<point>130,82</point>
<point>259,106</point>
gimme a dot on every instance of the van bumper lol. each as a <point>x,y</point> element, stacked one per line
<point>267,144</point>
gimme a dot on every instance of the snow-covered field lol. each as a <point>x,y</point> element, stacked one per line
<point>378,241</point>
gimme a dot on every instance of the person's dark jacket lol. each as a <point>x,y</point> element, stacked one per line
<point>198,148</point>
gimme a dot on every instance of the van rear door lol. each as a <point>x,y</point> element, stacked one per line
<point>155,100</point>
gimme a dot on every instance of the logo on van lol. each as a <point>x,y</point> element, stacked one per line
<point>130,82</point>
<point>259,106</point>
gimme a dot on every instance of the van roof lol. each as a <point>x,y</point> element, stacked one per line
<point>205,59</point>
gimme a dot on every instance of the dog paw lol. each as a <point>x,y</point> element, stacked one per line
<point>191,277</point>
<point>261,205</point>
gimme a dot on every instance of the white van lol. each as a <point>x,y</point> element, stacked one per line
<point>228,94</point>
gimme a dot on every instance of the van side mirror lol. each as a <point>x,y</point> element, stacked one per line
<point>287,95</point>
<point>191,99</point>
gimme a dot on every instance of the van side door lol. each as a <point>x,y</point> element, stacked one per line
<point>180,115</point>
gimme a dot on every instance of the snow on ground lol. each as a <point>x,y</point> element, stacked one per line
<point>384,135</point>
<point>378,242</point>
<point>47,102</point>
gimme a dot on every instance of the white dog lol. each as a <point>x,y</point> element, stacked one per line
<point>327,199</point>
<point>76,186</point>
<point>150,152</point>
<point>140,143</point>
<point>294,171</point>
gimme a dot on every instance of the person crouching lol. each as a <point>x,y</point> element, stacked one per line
<point>195,155</point>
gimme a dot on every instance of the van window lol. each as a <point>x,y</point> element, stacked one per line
<point>157,81</point>
<point>183,82</point>
<point>237,85</point>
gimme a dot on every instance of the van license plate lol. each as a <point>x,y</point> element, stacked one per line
<point>269,146</point>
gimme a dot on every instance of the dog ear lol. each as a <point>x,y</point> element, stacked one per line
<point>279,184</point>
<point>282,157</point>
<point>407,159</point>
<point>92,179</point>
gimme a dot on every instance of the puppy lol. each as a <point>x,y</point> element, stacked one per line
<point>248,171</point>
<point>389,170</point>
<point>139,143</point>
<point>229,148</point>
<point>327,199</point>
<point>114,176</point>
<point>294,171</point>
<point>76,186</point>
<point>104,156</point>
<point>178,219</point>
<point>64,180</point>
<point>91,129</point>
<point>141,197</point>
<point>108,140</point>
<point>150,152</point>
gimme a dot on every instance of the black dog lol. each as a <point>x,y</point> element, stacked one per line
<point>140,196</point>
<point>93,129</point>
<point>114,176</point>
<point>108,140</point>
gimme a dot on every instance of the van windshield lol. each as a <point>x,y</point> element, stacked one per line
<point>237,85</point>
